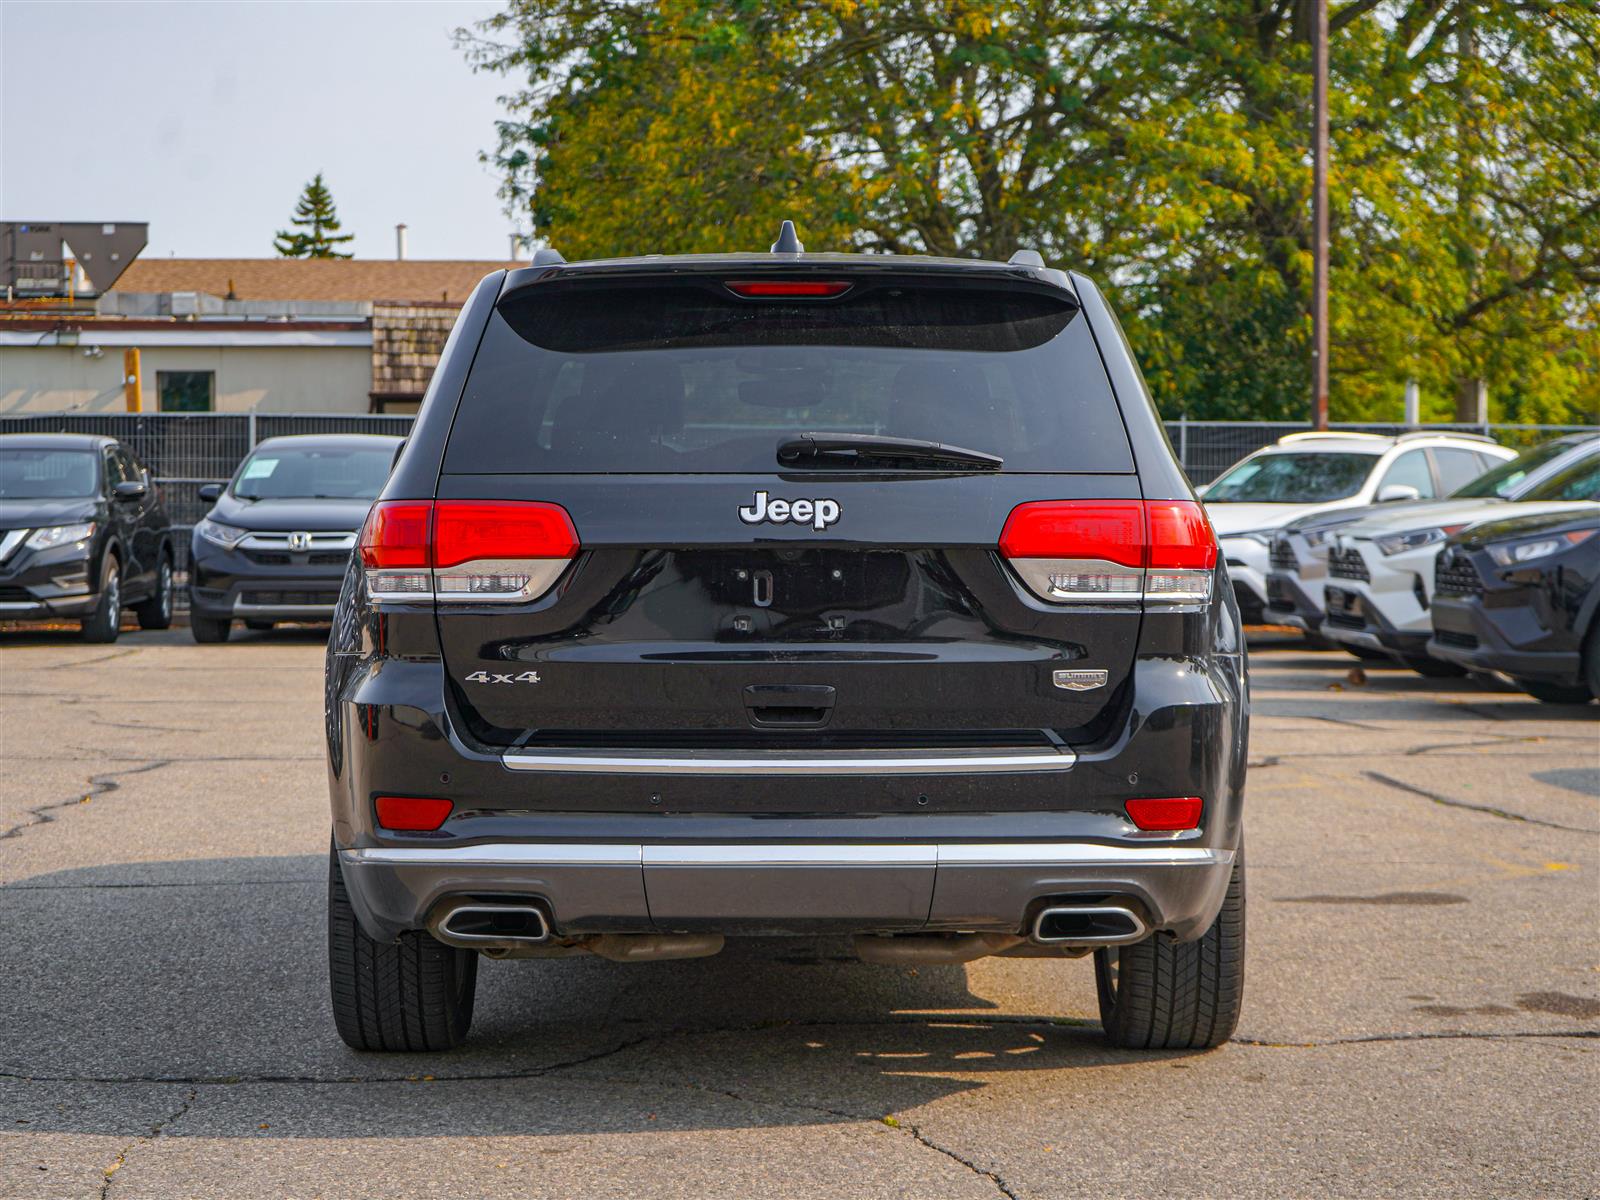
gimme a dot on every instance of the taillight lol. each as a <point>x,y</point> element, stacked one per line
<point>412,814</point>
<point>1168,814</point>
<point>466,550</point>
<point>1112,551</point>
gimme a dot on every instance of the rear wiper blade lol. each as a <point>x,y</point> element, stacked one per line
<point>876,448</point>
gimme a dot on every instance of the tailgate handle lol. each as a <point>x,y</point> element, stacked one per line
<point>789,705</point>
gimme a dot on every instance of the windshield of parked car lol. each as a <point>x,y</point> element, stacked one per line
<point>687,376</point>
<point>1505,478</point>
<point>48,474</point>
<point>1580,481</point>
<point>314,473</point>
<point>1300,477</point>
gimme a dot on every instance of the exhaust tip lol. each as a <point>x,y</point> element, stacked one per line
<point>1088,925</point>
<point>477,924</point>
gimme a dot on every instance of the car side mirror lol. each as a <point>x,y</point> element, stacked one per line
<point>1397,491</point>
<point>131,489</point>
<point>211,491</point>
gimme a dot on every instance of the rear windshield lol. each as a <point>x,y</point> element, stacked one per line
<point>1505,478</point>
<point>48,474</point>
<point>1295,478</point>
<point>688,378</point>
<point>309,473</point>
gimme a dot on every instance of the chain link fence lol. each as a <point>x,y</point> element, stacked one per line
<point>186,450</point>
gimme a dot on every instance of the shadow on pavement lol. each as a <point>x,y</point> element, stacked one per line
<point>212,972</point>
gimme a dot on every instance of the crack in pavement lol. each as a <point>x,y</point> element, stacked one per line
<point>99,785</point>
<point>536,1072</point>
<point>156,1131</point>
<point>88,662</point>
<point>90,887</point>
<point>1437,1035</point>
<point>890,1121</point>
<point>1489,809</point>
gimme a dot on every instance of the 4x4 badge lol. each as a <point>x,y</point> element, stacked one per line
<point>818,513</point>
<point>486,677</point>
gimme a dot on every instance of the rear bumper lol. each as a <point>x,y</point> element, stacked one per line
<point>789,887</point>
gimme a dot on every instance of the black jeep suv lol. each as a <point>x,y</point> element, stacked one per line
<point>786,594</point>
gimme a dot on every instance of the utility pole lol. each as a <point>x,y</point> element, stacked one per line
<point>1319,215</point>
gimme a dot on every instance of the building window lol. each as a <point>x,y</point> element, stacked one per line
<point>185,391</point>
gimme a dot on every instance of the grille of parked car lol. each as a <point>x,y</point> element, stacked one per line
<point>1462,641</point>
<point>1283,556</point>
<point>14,595</point>
<point>1347,564</point>
<point>281,558</point>
<point>1454,576</point>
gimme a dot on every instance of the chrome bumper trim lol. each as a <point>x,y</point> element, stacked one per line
<point>744,854</point>
<point>790,762</point>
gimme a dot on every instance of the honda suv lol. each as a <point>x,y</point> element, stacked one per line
<point>774,594</point>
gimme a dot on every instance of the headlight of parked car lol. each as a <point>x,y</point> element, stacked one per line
<point>226,536</point>
<point>1513,553</point>
<point>60,535</point>
<point>1414,539</point>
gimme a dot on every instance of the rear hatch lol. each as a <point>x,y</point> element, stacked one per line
<point>737,584</point>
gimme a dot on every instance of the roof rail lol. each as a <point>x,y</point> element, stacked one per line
<point>1454,433</point>
<point>1316,434</point>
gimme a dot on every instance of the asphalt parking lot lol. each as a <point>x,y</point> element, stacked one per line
<point>1421,1014</point>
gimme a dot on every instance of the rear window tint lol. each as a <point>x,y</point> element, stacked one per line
<point>682,379</point>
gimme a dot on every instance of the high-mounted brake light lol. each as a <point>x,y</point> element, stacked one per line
<point>764,288</point>
<point>498,551</point>
<point>1112,551</point>
<point>1166,815</point>
<point>412,814</point>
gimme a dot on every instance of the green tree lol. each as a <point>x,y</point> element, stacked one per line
<point>1160,145</point>
<point>317,235</point>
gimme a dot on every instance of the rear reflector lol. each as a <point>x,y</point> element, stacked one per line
<point>1112,551</point>
<point>1167,814</point>
<point>761,288</point>
<point>412,813</point>
<point>465,550</point>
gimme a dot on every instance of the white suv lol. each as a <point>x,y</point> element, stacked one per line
<point>1380,569</point>
<point>1299,557</point>
<point>1311,472</point>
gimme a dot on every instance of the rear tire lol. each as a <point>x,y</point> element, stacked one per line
<point>105,622</point>
<point>1432,668</point>
<point>415,994</point>
<point>1555,693</point>
<point>1160,994</point>
<point>207,630</point>
<point>156,612</point>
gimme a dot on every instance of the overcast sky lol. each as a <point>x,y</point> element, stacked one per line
<point>206,119</point>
